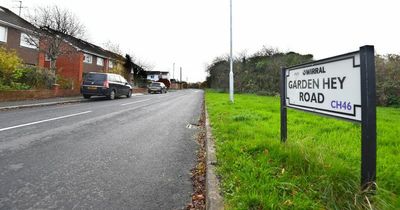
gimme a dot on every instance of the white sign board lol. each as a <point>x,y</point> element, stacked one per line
<point>330,87</point>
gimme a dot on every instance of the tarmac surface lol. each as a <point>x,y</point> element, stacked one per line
<point>131,153</point>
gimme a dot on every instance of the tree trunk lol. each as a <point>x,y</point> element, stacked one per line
<point>53,67</point>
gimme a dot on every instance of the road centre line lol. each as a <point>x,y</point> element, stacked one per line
<point>42,121</point>
<point>135,102</point>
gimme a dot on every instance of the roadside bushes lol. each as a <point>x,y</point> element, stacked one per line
<point>388,79</point>
<point>65,83</point>
<point>9,62</point>
<point>38,78</point>
<point>260,74</point>
<point>16,76</point>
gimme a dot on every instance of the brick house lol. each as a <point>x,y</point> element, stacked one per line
<point>81,57</point>
<point>78,57</point>
<point>13,30</point>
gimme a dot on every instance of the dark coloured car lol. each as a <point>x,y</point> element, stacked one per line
<point>157,87</point>
<point>105,84</point>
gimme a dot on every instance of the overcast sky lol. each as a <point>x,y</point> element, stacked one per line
<point>193,32</point>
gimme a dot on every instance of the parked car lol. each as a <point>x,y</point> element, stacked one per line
<point>105,84</point>
<point>157,87</point>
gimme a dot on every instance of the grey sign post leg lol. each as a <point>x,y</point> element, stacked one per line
<point>368,121</point>
<point>283,105</point>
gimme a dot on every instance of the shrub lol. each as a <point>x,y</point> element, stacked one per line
<point>260,74</point>
<point>37,77</point>
<point>119,69</point>
<point>65,83</point>
<point>9,62</point>
<point>388,79</point>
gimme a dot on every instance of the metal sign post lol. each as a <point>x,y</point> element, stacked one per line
<point>343,87</point>
<point>368,123</point>
<point>283,106</point>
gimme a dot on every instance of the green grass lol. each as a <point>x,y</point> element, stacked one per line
<point>318,167</point>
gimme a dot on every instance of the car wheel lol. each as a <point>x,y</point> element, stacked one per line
<point>86,96</point>
<point>129,94</point>
<point>112,95</point>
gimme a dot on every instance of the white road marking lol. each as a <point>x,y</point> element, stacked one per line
<point>42,121</point>
<point>134,102</point>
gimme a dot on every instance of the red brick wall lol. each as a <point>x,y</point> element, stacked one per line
<point>19,95</point>
<point>139,90</point>
<point>69,65</point>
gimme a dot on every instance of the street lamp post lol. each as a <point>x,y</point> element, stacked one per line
<point>231,59</point>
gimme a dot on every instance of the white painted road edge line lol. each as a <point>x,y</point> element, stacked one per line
<point>135,102</point>
<point>42,121</point>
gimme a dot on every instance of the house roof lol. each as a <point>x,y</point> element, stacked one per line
<point>13,20</point>
<point>86,46</point>
<point>156,72</point>
<point>9,18</point>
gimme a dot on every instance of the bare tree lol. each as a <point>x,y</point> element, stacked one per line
<point>113,47</point>
<point>147,66</point>
<point>52,24</point>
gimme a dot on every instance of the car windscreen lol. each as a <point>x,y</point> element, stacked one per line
<point>155,85</point>
<point>95,77</point>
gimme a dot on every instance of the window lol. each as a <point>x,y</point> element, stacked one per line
<point>155,84</point>
<point>100,61</point>
<point>110,64</point>
<point>152,76</point>
<point>29,41</point>
<point>118,78</point>
<point>3,34</point>
<point>123,80</point>
<point>87,58</point>
<point>112,78</point>
<point>95,77</point>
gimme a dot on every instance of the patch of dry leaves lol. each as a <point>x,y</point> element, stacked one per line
<point>198,174</point>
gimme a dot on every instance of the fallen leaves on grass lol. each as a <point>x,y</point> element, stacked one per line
<point>198,173</point>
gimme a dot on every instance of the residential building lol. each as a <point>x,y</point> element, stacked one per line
<point>77,58</point>
<point>80,57</point>
<point>14,31</point>
<point>157,75</point>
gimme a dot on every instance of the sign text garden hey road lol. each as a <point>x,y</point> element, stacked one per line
<point>342,87</point>
<point>331,87</point>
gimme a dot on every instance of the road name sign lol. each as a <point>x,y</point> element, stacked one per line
<point>330,87</point>
<point>343,87</point>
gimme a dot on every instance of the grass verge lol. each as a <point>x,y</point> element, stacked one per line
<point>318,167</point>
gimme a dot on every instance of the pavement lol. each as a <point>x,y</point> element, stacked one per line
<point>46,102</point>
<point>128,153</point>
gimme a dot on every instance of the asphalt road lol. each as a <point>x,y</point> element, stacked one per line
<point>131,153</point>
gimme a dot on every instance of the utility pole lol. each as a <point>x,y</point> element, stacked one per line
<point>173,71</point>
<point>20,7</point>
<point>180,80</point>
<point>231,59</point>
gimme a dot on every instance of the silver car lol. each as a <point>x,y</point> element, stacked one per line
<point>157,87</point>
